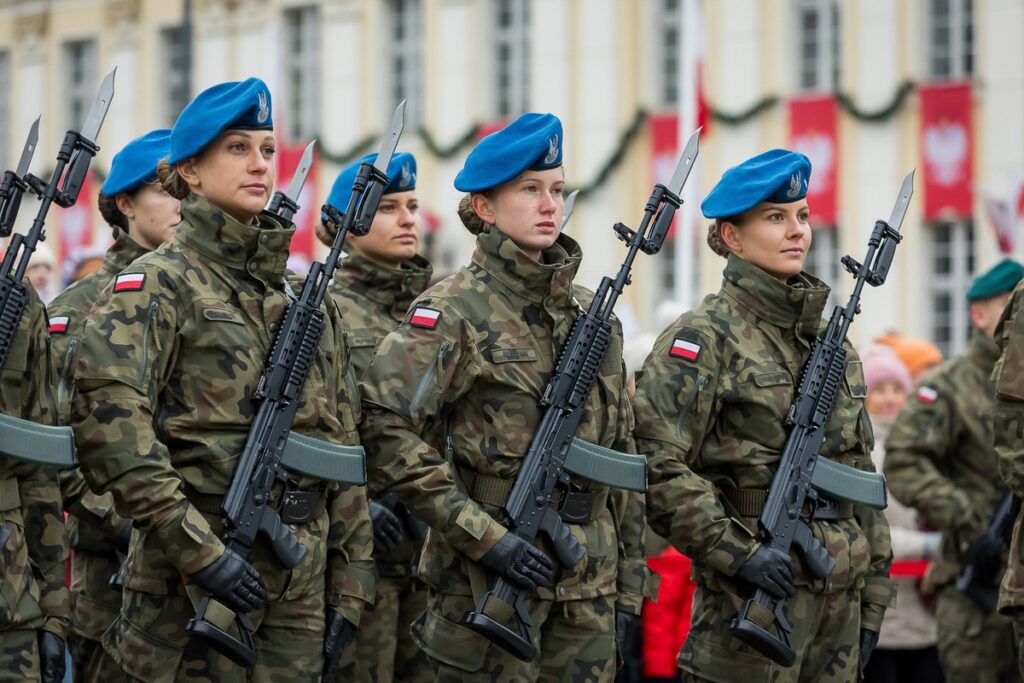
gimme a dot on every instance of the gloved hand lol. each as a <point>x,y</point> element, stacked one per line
<point>986,554</point>
<point>624,622</point>
<point>232,581</point>
<point>51,657</point>
<point>337,634</point>
<point>387,528</point>
<point>868,640</point>
<point>520,562</point>
<point>770,571</point>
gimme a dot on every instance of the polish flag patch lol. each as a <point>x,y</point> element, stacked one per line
<point>927,395</point>
<point>131,282</point>
<point>686,350</point>
<point>425,317</point>
<point>58,324</point>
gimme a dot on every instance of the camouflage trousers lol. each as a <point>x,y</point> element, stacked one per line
<point>148,643</point>
<point>384,649</point>
<point>825,636</point>
<point>575,640</point>
<point>974,646</point>
<point>19,656</point>
<point>94,607</point>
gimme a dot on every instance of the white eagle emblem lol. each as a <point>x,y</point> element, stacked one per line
<point>945,152</point>
<point>795,185</point>
<point>264,107</point>
<point>552,149</point>
<point>407,178</point>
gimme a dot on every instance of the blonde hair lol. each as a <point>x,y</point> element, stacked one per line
<point>468,215</point>
<point>171,181</point>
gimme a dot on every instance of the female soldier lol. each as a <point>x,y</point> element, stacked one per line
<point>711,409</point>
<point>165,379</point>
<point>142,216</point>
<point>451,405</point>
<point>379,278</point>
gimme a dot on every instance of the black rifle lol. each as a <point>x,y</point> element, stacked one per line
<point>286,203</point>
<point>802,475</point>
<point>271,448</point>
<point>19,438</point>
<point>980,585</point>
<point>554,451</point>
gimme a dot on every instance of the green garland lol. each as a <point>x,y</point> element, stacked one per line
<point>613,161</point>
<point>882,114</point>
<point>468,138</point>
<point>743,116</point>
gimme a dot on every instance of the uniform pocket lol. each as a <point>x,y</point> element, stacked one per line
<point>711,661</point>
<point>17,584</point>
<point>139,639</point>
<point>1010,380</point>
<point>439,634</point>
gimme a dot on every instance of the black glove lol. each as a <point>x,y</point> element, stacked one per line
<point>520,562</point>
<point>868,640</point>
<point>624,626</point>
<point>233,582</point>
<point>337,634</point>
<point>986,554</point>
<point>51,657</point>
<point>387,528</point>
<point>770,571</point>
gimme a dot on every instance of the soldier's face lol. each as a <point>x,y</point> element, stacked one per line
<point>153,215</point>
<point>527,209</point>
<point>394,236</point>
<point>774,237</point>
<point>235,172</point>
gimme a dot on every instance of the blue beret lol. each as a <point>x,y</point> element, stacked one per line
<point>533,141</point>
<point>999,279</point>
<point>401,174</point>
<point>135,165</point>
<point>236,104</point>
<point>777,175</point>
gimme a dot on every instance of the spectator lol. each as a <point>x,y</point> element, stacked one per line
<point>40,271</point>
<point>916,354</point>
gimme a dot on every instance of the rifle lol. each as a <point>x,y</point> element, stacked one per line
<point>49,445</point>
<point>554,452</point>
<point>271,448</point>
<point>979,585</point>
<point>285,204</point>
<point>802,475</point>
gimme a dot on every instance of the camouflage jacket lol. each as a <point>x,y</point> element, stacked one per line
<point>33,560</point>
<point>711,404</point>
<point>373,299</point>
<point>166,369</point>
<point>475,375</point>
<point>939,458</point>
<point>92,521</point>
<point>1008,430</point>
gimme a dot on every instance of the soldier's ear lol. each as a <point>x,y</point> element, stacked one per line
<point>731,236</point>
<point>124,204</point>
<point>187,171</point>
<point>483,207</point>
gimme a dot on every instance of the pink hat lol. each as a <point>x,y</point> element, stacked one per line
<point>881,364</point>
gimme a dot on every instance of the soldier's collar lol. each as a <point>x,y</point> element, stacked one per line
<point>384,284</point>
<point>799,303</point>
<point>261,250</point>
<point>122,252</point>
<point>983,351</point>
<point>548,279</point>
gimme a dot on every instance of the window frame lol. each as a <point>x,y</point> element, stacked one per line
<point>301,24</point>
<point>960,36</point>
<point>823,71</point>
<point>514,98</point>
<point>951,335</point>
<point>79,95</point>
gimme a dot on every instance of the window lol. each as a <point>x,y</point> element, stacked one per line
<point>950,39</point>
<point>7,159</point>
<point>81,82</point>
<point>302,73</point>
<point>818,43</point>
<point>952,265</point>
<point>174,74</point>
<point>405,57</point>
<point>669,32</point>
<point>511,57</point>
<point>823,260</point>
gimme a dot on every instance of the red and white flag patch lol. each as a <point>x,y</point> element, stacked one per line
<point>130,282</point>
<point>927,395</point>
<point>425,317</point>
<point>686,350</point>
<point>59,324</point>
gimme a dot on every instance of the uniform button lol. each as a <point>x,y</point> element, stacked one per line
<point>251,267</point>
<point>561,590</point>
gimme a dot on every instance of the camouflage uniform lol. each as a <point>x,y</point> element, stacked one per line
<point>164,376</point>
<point>33,596</point>
<point>939,461</point>
<point>93,525</point>
<point>711,420</point>
<point>1008,428</point>
<point>373,299</point>
<point>476,377</point>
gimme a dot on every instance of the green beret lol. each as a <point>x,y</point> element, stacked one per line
<point>999,279</point>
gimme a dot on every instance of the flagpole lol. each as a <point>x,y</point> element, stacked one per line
<point>687,97</point>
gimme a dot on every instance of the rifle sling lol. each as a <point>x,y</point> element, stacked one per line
<point>750,503</point>
<point>575,507</point>
<point>10,499</point>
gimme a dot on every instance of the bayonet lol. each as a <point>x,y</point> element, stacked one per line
<point>94,121</point>
<point>29,150</point>
<point>390,141</point>
<point>899,210</point>
<point>286,203</point>
<point>570,204</point>
<point>686,160</point>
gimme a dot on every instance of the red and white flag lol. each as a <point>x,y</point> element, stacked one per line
<point>927,395</point>
<point>58,324</point>
<point>686,350</point>
<point>425,317</point>
<point>130,282</point>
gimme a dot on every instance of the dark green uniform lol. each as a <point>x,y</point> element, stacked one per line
<point>93,524</point>
<point>166,370</point>
<point>939,461</point>
<point>470,361</point>
<point>373,299</point>
<point>710,407</point>
<point>33,595</point>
